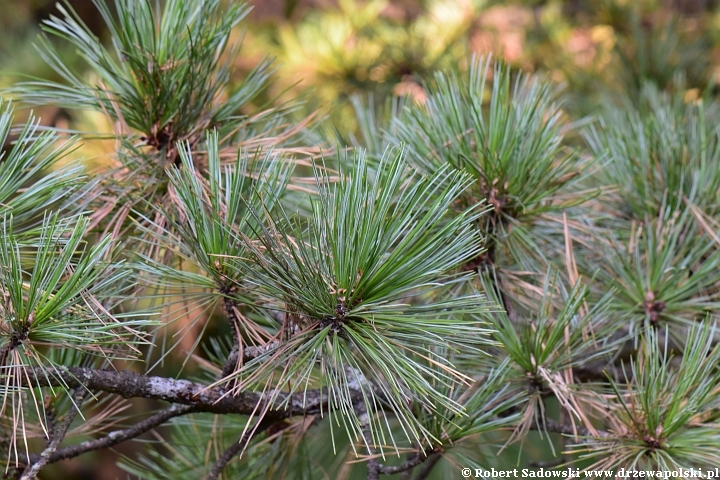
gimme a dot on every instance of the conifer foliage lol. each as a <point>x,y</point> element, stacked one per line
<point>475,282</point>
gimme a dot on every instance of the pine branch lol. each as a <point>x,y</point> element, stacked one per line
<point>119,436</point>
<point>204,398</point>
<point>235,449</point>
<point>57,436</point>
<point>428,466</point>
<point>248,353</point>
<point>373,472</point>
<point>412,462</point>
<point>373,463</point>
<point>230,305</point>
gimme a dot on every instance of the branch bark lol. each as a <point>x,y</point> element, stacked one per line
<point>373,462</point>
<point>204,398</point>
<point>119,436</point>
<point>248,353</point>
<point>235,449</point>
<point>428,466</point>
<point>58,435</point>
<point>412,462</point>
<point>229,306</point>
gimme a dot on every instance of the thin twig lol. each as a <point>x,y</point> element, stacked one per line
<point>373,463</point>
<point>229,306</point>
<point>57,436</point>
<point>234,450</point>
<point>412,462</point>
<point>428,466</point>
<point>119,436</point>
<point>407,474</point>
<point>248,354</point>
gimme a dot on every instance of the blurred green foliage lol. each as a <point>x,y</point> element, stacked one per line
<point>332,50</point>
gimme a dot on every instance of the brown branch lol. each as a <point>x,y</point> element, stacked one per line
<point>360,407</point>
<point>201,398</point>
<point>186,396</point>
<point>58,435</point>
<point>407,474</point>
<point>412,462</point>
<point>248,354</point>
<point>119,436</point>
<point>373,468</point>
<point>204,398</point>
<point>229,306</point>
<point>428,466</point>
<point>235,449</point>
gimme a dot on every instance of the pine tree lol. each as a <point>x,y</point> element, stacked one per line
<point>476,282</point>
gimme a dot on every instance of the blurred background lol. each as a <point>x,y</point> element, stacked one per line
<point>328,51</point>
